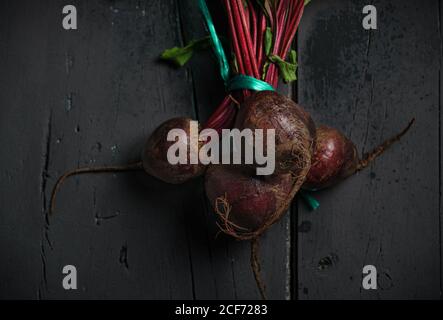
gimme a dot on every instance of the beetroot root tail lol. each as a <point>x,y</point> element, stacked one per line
<point>256,268</point>
<point>370,157</point>
<point>88,170</point>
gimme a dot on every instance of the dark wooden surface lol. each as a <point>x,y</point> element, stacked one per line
<point>370,84</point>
<point>92,96</point>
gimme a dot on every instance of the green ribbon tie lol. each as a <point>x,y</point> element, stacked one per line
<point>310,200</point>
<point>242,81</point>
<point>239,81</point>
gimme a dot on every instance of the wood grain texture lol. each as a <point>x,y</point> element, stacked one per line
<point>370,84</point>
<point>22,136</point>
<point>440,31</point>
<point>223,265</point>
<point>90,97</point>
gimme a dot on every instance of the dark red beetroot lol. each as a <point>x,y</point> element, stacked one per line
<point>294,129</point>
<point>247,204</point>
<point>336,157</point>
<point>154,156</point>
<point>154,160</point>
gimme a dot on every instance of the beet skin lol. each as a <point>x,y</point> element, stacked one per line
<point>294,129</point>
<point>155,161</point>
<point>335,158</point>
<point>253,201</point>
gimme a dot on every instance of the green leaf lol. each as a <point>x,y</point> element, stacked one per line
<point>293,57</point>
<point>181,55</point>
<point>268,41</point>
<point>307,1</point>
<point>268,47</point>
<point>235,64</point>
<point>265,70</point>
<point>288,70</point>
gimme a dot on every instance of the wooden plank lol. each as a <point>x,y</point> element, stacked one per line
<point>221,265</point>
<point>441,145</point>
<point>91,97</point>
<point>369,85</point>
<point>23,131</point>
<point>122,94</point>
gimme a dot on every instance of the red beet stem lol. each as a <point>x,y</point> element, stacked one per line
<point>234,38</point>
<point>247,28</point>
<point>241,38</point>
<point>260,41</point>
<point>247,42</point>
<point>218,114</point>
<point>291,25</point>
<point>235,43</point>
<point>254,26</point>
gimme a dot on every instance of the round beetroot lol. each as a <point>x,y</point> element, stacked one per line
<point>294,129</point>
<point>247,204</point>
<point>336,157</point>
<point>155,161</point>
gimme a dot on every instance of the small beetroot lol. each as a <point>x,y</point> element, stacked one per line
<point>154,155</point>
<point>154,159</point>
<point>336,157</point>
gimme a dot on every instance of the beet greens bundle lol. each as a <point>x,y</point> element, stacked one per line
<point>261,35</point>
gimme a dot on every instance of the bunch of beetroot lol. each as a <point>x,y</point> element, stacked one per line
<point>261,34</point>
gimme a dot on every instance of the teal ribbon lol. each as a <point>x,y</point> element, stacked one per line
<point>310,200</point>
<point>239,81</point>
<point>242,81</point>
<point>216,43</point>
